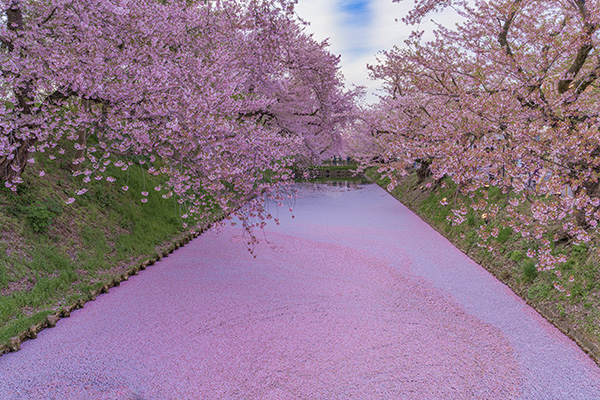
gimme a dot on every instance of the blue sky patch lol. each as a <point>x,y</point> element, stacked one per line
<point>356,12</point>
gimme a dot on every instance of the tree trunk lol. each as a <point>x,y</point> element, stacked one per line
<point>80,153</point>
<point>423,170</point>
<point>12,167</point>
<point>82,138</point>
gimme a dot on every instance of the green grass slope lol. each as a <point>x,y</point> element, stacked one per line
<point>53,254</point>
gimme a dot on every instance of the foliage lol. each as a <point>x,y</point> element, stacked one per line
<point>529,270</point>
<point>40,215</point>
<point>517,256</point>
<point>504,235</point>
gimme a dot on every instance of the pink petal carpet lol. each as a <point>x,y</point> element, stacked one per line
<point>354,298</point>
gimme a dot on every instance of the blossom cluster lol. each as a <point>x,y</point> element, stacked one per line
<point>221,93</point>
<point>508,98</point>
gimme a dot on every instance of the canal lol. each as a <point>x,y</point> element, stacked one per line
<point>353,298</point>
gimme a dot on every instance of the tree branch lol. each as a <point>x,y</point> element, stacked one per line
<point>584,50</point>
<point>48,17</point>
<point>503,36</point>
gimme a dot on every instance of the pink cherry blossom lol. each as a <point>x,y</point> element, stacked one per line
<point>508,99</point>
<point>213,95</point>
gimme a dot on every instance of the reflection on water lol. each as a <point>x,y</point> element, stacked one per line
<point>344,182</point>
<point>331,186</point>
<point>285,197</point>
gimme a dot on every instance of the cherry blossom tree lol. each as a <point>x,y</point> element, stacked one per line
<point>508,98</point>
<point>222,93</point>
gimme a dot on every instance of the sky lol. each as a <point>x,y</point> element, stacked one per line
<point>359,29</point>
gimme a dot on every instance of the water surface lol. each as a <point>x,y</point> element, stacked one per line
<point>354,298</point>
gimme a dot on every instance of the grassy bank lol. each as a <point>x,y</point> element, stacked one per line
<point>54,254</point>
<point>576,310</point>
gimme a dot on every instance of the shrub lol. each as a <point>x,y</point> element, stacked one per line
<point>39,216</point>
<point>529,271</point>
<point>579,253</point>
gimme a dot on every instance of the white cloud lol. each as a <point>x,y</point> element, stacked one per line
<point>358,44</point>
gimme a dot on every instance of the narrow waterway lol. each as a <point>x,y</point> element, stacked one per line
<point>354,298</point>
